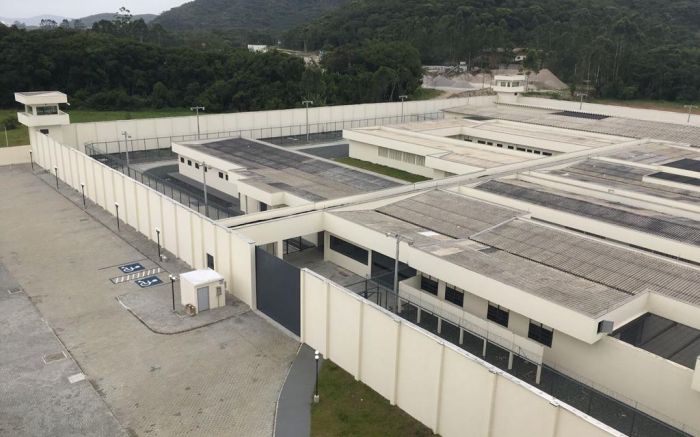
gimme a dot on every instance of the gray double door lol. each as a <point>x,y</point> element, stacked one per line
<point>277,289</point>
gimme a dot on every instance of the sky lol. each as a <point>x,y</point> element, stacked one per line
<point>81,8</point>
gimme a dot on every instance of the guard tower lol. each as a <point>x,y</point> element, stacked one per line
<point>508,87</point>
<point>42,114</point>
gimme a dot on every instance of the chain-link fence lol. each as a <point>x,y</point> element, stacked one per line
<point>614,413</point>
<point>187,195</point>
<point>282,135</point>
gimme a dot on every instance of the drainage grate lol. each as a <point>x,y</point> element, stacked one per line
<point>50,358</point>
<point>15,290</point>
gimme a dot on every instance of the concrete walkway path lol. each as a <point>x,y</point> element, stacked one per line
<point>293,418</point>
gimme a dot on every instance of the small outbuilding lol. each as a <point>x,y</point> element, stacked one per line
<point>203,289</point>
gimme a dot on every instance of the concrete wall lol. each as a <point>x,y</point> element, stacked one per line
<point>616,368</point>
<point>612,111</point>
<point>14,155</point>
<point>442,386</point>
<point>183,232</point>
<point>260,124</point>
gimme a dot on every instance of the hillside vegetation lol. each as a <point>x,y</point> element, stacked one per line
<point>626,48</point>
<point>258,15</point>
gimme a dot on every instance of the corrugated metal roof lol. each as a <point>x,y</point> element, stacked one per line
<point>674,228</point>
<point>614,266</point>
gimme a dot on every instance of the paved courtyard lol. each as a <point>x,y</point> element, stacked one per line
<point>221,379</point>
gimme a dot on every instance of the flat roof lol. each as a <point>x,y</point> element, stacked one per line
<point>623,177</point>
<point>651,222</point>
<point>609,125</point>
<point>577,293</point>
<point>274,169</point>
<point>621,268</point>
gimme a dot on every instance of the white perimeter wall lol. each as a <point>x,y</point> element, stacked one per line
<point>14,155</point>
<point>448,390</point>
<point>184,232</point>
<point>267,123</point>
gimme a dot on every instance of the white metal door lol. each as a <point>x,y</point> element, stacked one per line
<point>202,299</point>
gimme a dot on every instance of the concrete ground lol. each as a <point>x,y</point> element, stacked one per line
<point>34,376</point>
<point>222,379</point>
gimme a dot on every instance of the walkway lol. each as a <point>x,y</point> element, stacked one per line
<point>218,380</point>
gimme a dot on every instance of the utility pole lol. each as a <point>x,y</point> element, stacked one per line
<point>197,109</point>
<point>688,107</point>
<point>126,144</point>
<point>204,178</point>
<point>582,95</point>
<point>403,99</point>
<point>307,103</point>
<point>399,238</point>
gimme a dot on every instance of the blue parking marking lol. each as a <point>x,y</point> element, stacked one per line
<point>149,281</point>
<point>131,268</point>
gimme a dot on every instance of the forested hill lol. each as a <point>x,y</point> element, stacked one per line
<point>256,15</point>
<point>626,48</point>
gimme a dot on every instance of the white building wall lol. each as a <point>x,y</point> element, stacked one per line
<point>448,390</point>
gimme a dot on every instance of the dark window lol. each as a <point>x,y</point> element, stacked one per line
<point>263,206</point>
<point>44,131</point>
<point>481,141</point>
<point>497,314</point>
<point>510,147</point>
<point>221,174</point>
<point>546,154</point>
<point>46,110</point>
<point>429,284</point>
<point>454,295</point>
<point>196,165</point>
<point>226,177</point>
<point>540,333</point>
<point>350,250</point>
<point>182,159</point>
<point>189,162</point>
<point>210,261</point>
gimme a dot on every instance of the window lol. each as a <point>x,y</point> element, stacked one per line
<point>44,131</point>
<point>46,110</point>
<point>454,295</point>
<point>227,177</point>
<point>221,175</point>
<point>350,250</point>
<point>182,159</point>
<point>196,165</point>
<point>481,141</point>
<point>189,162</point>
<point>497,314</point>
<point>210,261</point>
<point>540,333</point>
<point>429,284</point>
<point>510,147</point>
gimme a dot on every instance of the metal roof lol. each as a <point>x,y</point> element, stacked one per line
<point>598,261</point>
<point>675,228</point>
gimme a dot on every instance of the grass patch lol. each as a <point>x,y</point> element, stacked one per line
<point>20,136</point>
<point>383,169</point>
<point>349,408</point>
<point>425,94</point>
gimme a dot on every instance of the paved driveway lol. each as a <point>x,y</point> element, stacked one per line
<point>223,379</point>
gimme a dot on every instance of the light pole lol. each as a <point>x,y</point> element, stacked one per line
<point>204,178</point>
<point>317,356</point>
<point>116,207</point>
<point>126,145</point>
<point>582,95</point>
<point>82,189</point>
<point>196,109</point>
<point>55,169</point>
<point>408,241</point>
<point>307,103</point>
<point>7,142</point>
<point>690,110</point>
<point>158,240</point>
<point>403,99</point>
<point>172,288</point>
